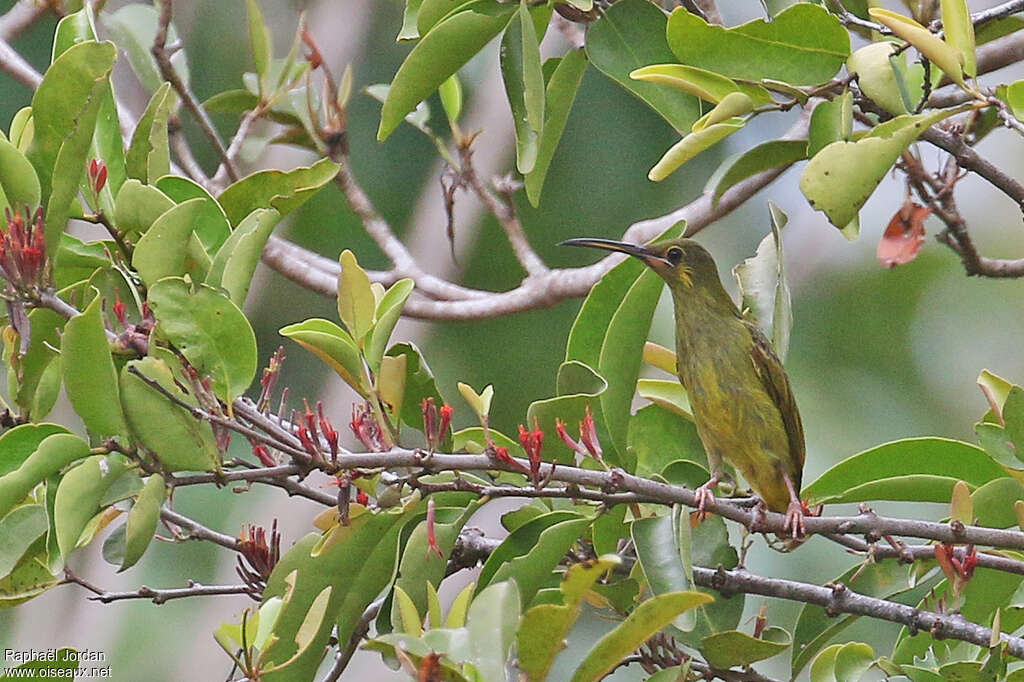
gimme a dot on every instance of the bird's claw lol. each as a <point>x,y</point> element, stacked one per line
<point>705,496</point>
<point>795,516</point>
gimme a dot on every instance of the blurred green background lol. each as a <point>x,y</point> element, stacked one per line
<point>876,354</point>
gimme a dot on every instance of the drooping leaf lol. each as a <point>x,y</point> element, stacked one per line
<point>17,444</point>
<point>78,497</point>
<point>90,378</point>
<point>657,547</point>
<point>841,177</point>
<point>725,650</point>
<point>763,285</point>
<point>142,520</point>
<point>802,45</point>
<point>19,531</point>
<point>559,94</point>
<point>702,83</point>
<point>179,441</point>
<point>692,145</point>
<point>524,86</point>
<point>19,184</point>
<point>628,37</point>
<point>533,570</point>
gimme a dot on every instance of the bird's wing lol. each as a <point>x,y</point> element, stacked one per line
<point>776,383</point>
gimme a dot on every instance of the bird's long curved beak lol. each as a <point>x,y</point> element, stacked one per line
<point>639,250</point>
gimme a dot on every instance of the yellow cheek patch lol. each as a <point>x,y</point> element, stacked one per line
<point>684,276</point>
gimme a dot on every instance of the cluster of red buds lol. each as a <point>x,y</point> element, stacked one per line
<point>366,428</point>
<point>23,250</point>
<point>958,572</point>
<point>96,172</point>
<point>532,442</point>
<point>588,442</point>
<point>257,557</point>
<point>310,427</point>
<point>133,336</point>
<point>435,429</point>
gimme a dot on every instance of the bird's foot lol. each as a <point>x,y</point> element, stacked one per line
<point>705,497</point>
<point>795,514</point>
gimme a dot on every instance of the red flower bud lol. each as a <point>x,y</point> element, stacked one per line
<point>446,419</point>
<point>588,435</point>
<point>263,455</point>
<point>432,545</point>
<point>119,312</point>
<point>97,174</point>
<point>362,498</point>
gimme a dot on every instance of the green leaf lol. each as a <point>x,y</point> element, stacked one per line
<point>107,144</point>
<point>35,377</point>
<point>64,108</point>
<point>282,190</point>
<point>409,17</point>
<point>19,184</point>
<point>524,86</point>
<point>702,83</point>
<point>78,498</point>
<point>450,93</point>
<point>134,27</point>
<point>622,352</point>
<point>409,620</point>
<point>149,156</point>
<point>162,250</point>
<point>333,345</point>
<point>479,402</point>
<point>389,309</point>
<point>17,444</point>
<point>211,225</point>
<point>842,663</point>
<point>579,387</point>
<point>559,95</point>
<point>692,145</point>
<point>180,441</point>
<point>646,620</point>
<point>765,156</point>
<point>233,267</point>
<point>993,503</point>
<point>90,378</point>
<point>732,105</point>
<point>914,469</point>
<point>209,330</point>
<point>830,121</point>
<point>259,40</point>
<point>944,56</point>
<point>142,520</point>
<point>138,206</point>
<point>876,75</point>
<point>19,530</point>
<point>841,177</point>
<point>629,36</point>
<point>356,562</point>
<point>492,624</point>
<point>420,565</point>
<point>519,543</point>
<point>763,285</point>
<point>532,571</point>
<point>431,12</point>
<point>53,454</point>
<point>660,437</point>
<point>1013,417</point>
<point>439,54</point>
<point>802,45</point>
<point>657,548</point>
<point>356,304</point>
<point>733,648</point>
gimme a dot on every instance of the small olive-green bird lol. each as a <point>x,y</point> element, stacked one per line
<point>742,402</point>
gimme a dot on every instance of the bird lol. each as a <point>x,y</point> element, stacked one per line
<point>742,402</point>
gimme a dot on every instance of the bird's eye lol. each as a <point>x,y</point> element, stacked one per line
<point>674,255</point>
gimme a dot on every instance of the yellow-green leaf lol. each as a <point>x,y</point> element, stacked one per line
<point>947,58</point>
<point>356,304</point>
<point>956,23</point>
<point>690,146</point>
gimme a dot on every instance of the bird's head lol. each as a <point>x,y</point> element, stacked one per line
<point>680,262</point>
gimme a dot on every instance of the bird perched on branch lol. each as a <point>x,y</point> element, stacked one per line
<point>742,402</point>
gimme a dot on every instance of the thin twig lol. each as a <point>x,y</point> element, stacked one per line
<point>162,54</point>
<point>22,14</point>
<point>504,212</point>
<point>360,631</point>
<point>15,66</point>
<point>163,595</point>
<point>197,531</point>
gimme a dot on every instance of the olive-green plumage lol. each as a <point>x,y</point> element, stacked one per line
<point>739,392</point>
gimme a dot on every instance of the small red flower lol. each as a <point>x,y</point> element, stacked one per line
<point>119,311</point>
<point>501,454</point>
<point>588,434</point>
<point>366,429</point>
<point>446,419</point>
<point>263,455</point>
<point>532,442</point>
<point>328,431</point>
